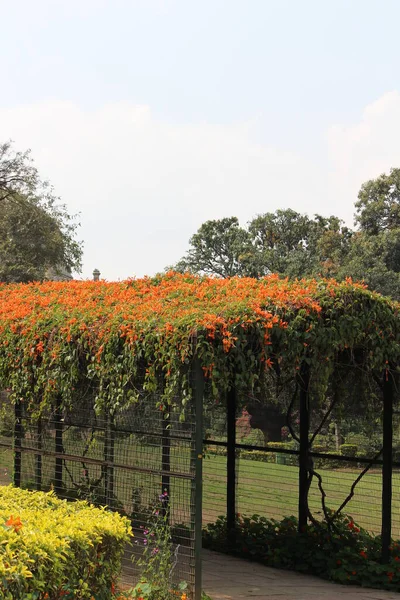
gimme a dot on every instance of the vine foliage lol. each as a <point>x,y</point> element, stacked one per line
<point>59,338</point>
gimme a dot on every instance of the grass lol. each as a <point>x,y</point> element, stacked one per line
<point>272,490</point>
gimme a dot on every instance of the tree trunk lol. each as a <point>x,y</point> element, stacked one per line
<point>338,436</point>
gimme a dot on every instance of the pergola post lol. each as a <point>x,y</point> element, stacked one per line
<point>38,457</point>
<point>231,465</point>
<point>304,380</point>
<point>197,482</point>
<point>165,447</point>
<point>166,451</point>
<point>59,447</point>
<point>109,458</point>
<point>17,442</point>
<point>387,467</point>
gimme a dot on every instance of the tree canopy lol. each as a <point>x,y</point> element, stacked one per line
<point>378,205</point>
<point>37,234</point>
<point>220,248</point>
<point>284,242</point>
<point>294,245</point>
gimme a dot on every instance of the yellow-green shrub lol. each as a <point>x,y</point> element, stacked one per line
<point>53,549</point>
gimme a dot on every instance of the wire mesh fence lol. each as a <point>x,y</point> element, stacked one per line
<point>133,460</point>
<point>345,455</point>
<point>140,463</point>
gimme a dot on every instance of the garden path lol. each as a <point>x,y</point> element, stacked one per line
<point>228,578</point>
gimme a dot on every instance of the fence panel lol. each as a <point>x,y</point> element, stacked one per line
<point>141,462</point>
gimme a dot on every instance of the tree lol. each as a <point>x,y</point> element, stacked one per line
<point>18,175</point>
<point>378,205</point>
<point>374,254</point>
<point>221,248</point>
<point>375,260</point>
<point>294,245</point>
<point>37,235</point>
<point>283,242</point>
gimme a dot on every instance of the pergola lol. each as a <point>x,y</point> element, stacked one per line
<point>184,337</point>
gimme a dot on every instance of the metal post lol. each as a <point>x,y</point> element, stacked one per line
<point>304,380</point>
<point>165,447</point>
<point>166,451</point>
<point>108,469</point>
<point>59,448</point>
<point>104,467</point>
<point>231,466</point>
<point>17,443</point>
<point>387,467</point>
<point>111,453</point>
<point>197,485</point>
<point>38,457</point>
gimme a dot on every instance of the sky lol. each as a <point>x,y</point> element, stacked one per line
<point>150,117</point>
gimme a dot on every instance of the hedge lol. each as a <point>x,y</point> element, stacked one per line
<point>53,549</point>
<point>266,456</point>
<point>344,553</point>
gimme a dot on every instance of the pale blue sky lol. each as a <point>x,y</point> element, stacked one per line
<point>152,116</point>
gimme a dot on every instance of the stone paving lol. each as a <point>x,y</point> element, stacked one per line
<point>228,578</point>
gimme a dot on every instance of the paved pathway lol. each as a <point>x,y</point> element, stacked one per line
<point>228,578</point>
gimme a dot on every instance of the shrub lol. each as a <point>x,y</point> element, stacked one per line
<point>159,559</point>
<point>255,438</point>
<point>256,455</point>
<point>363,443</point>
<point>53,549</point>
<point>329,463</point>
<point>318,448</point>
<point>345,554</point>
<point>323,442</point>
<point>348,450</point>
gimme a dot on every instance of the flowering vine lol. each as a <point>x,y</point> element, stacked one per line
<point>57,336</point>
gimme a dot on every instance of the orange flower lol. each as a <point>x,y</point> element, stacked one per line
<point>16,523</point>
<point>40,323</point>
<point>40,347</point>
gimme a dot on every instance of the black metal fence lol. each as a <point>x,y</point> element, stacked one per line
<point>144,462</point>
<point>264,457</point>
<point>260,460</point>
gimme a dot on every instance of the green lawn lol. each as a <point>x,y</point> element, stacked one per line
<point>271,490</point>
